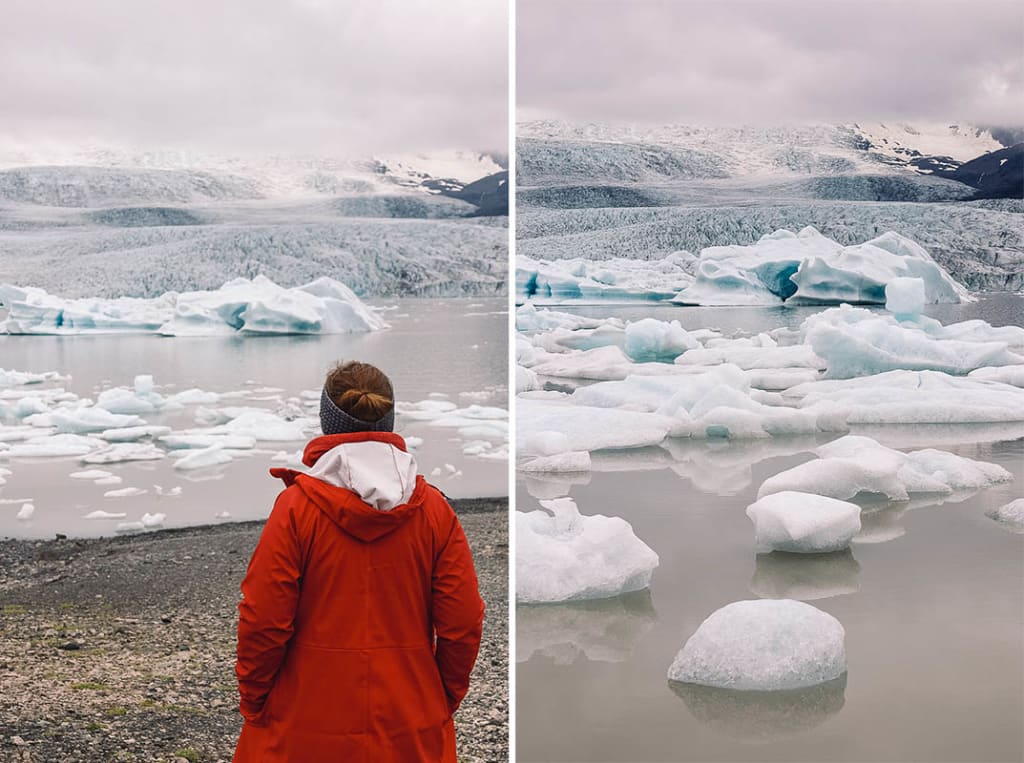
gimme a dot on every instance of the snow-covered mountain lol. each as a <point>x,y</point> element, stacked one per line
<point>602,191</point>
<point>102,221</point>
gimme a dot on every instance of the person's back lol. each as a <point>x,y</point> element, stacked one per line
<point>360,566</point>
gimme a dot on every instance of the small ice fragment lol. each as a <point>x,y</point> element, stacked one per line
<point>126,492</point>
<point>435,472</point>
<point>26,511</point>
<point>1010,516</point>
<point>222,515</point>
<point>153,520</point>
<point>129,527</point>
<point>99,514</point>
<point>450,469</point>
<point>90,474</point>
<point>803,523</point>
<point>111,480</point>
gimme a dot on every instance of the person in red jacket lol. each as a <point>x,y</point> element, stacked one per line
<point>361,616</point>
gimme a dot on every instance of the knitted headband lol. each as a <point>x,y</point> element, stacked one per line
<point>333,420</point>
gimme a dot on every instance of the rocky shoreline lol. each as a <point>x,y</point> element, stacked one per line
<point>122,649</point>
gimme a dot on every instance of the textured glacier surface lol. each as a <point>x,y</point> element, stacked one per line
<point>803,523</point>
<point>242,306</point>
<point>563,555</point>
<point>763,645</point>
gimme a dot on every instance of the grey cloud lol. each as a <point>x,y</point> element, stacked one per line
<point>771,60</point>
<point>341,77</point>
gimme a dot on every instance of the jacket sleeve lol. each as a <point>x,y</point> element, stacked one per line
<point>458,613</point>
<point>266,614</point>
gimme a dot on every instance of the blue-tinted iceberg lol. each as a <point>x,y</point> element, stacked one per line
<point>257,306</point>
<point>618,279</point>
<point>764,645</point>
<point>808,268</point>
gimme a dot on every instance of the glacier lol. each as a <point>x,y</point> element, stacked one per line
<point>763,645</point>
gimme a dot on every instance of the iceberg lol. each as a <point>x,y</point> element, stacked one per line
<point>590,428</point>
<point>855,465</point>
<point>240,306</point>
<point>808,268</point>
<point>803,523</point>
<point>126,451</point>
<point>55,446</point>
<point>617,278</point>
<point>1009,516</point>
<point>905,297</point>
<point>562,555</point>
<point>763,645</point>
<point>85,420</point>
<point>653,340</point>
<point>200,459</point>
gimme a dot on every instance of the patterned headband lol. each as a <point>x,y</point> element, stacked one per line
<point>333,420</point>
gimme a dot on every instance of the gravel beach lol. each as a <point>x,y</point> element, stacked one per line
<point>122,649</point>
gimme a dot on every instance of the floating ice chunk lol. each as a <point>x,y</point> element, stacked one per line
<point>90,474</point>
<point>1013,375</point>
<point>543,443</point>
<point>263,426</point>
<point>526,380</point>
<point>99,514</point>
<point>171,492</point>
<point>904,297</point>
<point>14,378</point>
<point>435,472</point>
<point>425,410</point>
<point>855,342</point>
<point>1010,516</point>
<point>653,340</point>
<point>412,443</point>
<point>25,512</point>
<point>84,420</point>
<point>129,527</point>
<point>803,523</point>
<point>194,396</point>
<point>529,318</point>
<point>591,428</point>
<point>150,521</point>
<point>111,480</point>
<point>565,556</point>
<point>126,492</point>
<point>55,446</point>
<point>200,459</point>
<point>142,398</point>
<point>812,269</point>
<point>912,397</point>
<point>133,434</point>
<point>127,451</point>
<point>570,461</point>
<point>745,357</point>
<point>619,278</point>
<point>805,577</point>
<point>222,515</point>
<point>855,465</point>
<point>450,469</point>
<point>764,645</point>
<point>199,441</point>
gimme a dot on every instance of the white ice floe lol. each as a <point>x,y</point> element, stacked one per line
<point>530,318</point>
<point>150,521</point>
<point>25,512</point>
<point>84,420</point>
<point>14,378</point>
<point>803,523</point>
<point>195,396</point>
<point>809,268</point>
<point>255,423</point>
<point>591,428</point>
<point>1010,516</point>
<point>570,461</point>
<point>912,397</point>
<point>905,297</point>
<point>1012,375</point>
<point>200,459</point>
<point>111,480</point>
<point>199,441</point>
<point>90,474</point>
<point>855,465</point>
<point>127,451</point>
<point>857,342</point>
<point>100,514</point>
<point>55,446</point>
<point>562,555</point>
<point>129,527</point>
<point>133,434</point>
<point>167,492</point>
<point>125,492</point>
<point>764,645</point>
<point>618,279</point>
<point>257,306</point>
<point>141,399</point>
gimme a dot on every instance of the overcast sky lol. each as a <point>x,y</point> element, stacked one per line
<point>735,61</point>
<point>306,76</point>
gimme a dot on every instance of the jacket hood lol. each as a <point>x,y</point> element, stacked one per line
<point>365,482</point>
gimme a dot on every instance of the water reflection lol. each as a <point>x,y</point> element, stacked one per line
<point>605,630</point>
<point>881,525</point>
<point>763,716</point>
<point>545,486</point>
<point>781,575</point>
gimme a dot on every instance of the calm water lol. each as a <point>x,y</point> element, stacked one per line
<point>435,346</point>
<point>934,616</point>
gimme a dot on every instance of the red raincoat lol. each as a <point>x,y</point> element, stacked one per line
<point>359,626</point>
